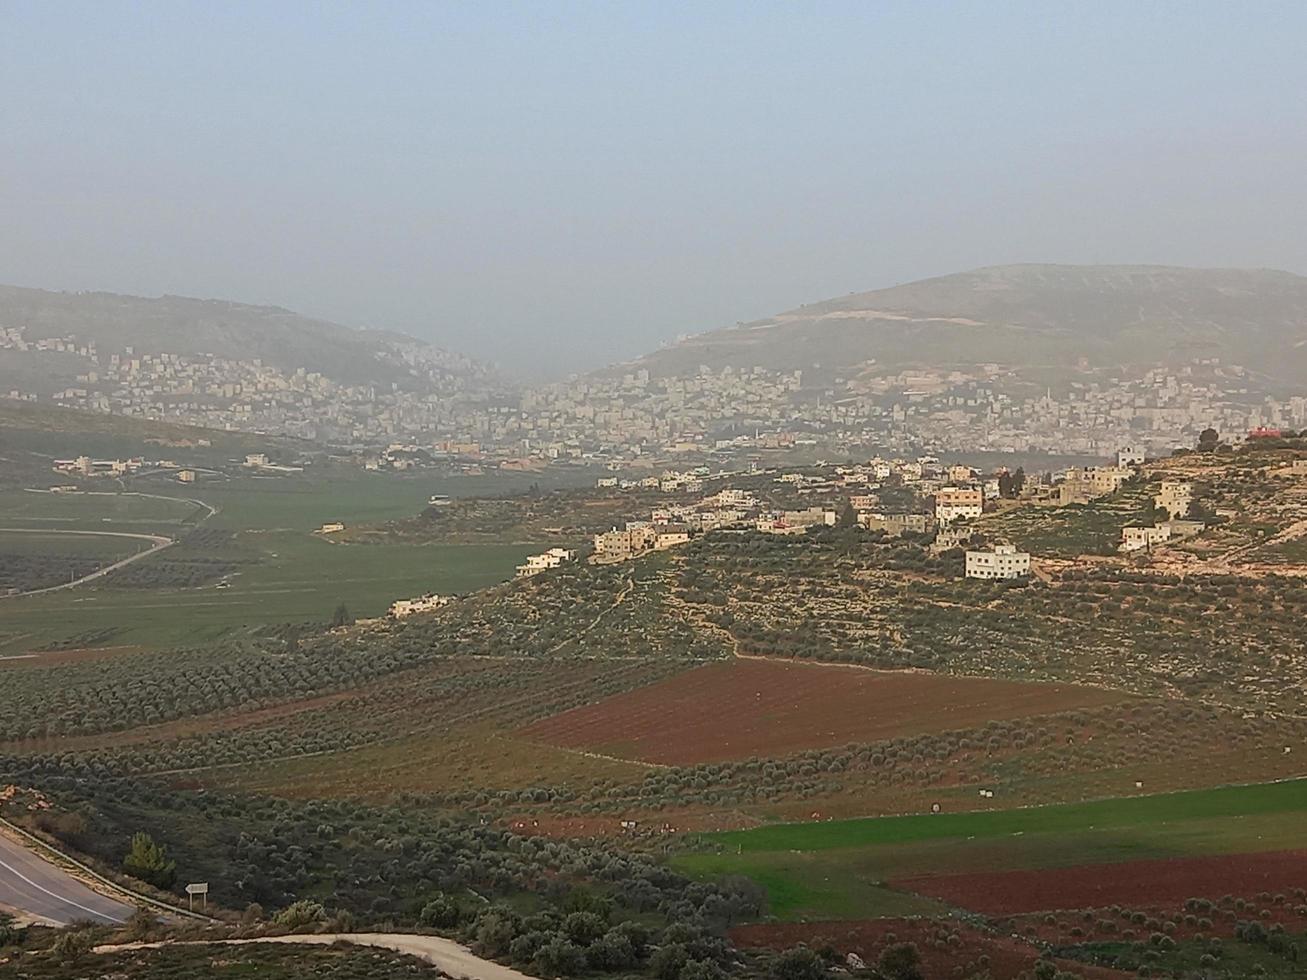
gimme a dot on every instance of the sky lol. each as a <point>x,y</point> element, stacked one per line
<point>552,186</point>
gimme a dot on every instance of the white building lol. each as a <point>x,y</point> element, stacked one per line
<point>1129,456</point>
<point>535,564</point>
<point>407,607</point>
<point>1002,561</point>
<point>1143,538</point>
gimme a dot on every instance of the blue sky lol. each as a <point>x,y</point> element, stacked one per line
<point>557,185</point>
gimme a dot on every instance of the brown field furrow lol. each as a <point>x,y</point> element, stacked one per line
<point>764,708</point>
<point>1167,881</point>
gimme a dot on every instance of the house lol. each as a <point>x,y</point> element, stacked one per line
<point>1003,561</point>
<point>1143,538</point>
<point>959,473</point>
<point>331,527</point>
<point>407,607</point>
<point>953,503</point>
<point>615,545</point>
<point>948,538</point>
<point>256,460</point>
<point>895,524</point>
<point>1298,467</point>
<point>1081,484</point>
<point>1130,456</point>
<point>1175,497</point>
<point>670,538</point>
<point>606,481</point>
<point>186,476</point>
<point>810,516</point>
<point>777,525</point>
<point>535,564</point>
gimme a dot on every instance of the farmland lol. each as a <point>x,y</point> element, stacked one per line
<point>827,869</point>
<point>756,708</point>
<point>746,729</point>
<point>253,561</point>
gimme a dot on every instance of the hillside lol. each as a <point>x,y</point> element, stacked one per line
<point>1028,316</point>
<point>210,328</point>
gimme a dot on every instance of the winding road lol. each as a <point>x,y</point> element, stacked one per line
<point>29,884</point>
<point>157,543</point>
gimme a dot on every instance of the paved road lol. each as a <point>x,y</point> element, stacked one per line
<point>33,885</point>
<point>445,954</point>
<point>157,543</point>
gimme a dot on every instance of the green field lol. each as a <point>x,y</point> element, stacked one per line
<point>837,869</point>
<point>301,579</point>
<point>283,572</point>
<point>101,547</point>
<point>164,512</point>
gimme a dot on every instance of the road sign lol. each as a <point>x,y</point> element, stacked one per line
<point>200,888</point>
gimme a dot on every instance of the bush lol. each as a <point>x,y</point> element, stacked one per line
<point>300,915</point>
<point>902,961</point>
<point>442,912</point>
<point>559,956</point>
<point>798,963</point>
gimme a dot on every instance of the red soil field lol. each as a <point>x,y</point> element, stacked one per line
<point>747,708</point>
<point>1005,958</point>
<point>1135,883</point>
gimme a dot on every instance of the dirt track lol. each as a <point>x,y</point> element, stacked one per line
<point>445,954</point>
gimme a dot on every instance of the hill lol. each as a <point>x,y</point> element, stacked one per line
<point>1027,316</point>
<point>204,328</point>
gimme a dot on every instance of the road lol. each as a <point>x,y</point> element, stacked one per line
<point>444,954</point>
<point>157,543</point>
<point>34,886</point>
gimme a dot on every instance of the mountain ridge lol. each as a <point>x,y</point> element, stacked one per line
<point>198,327</point>
<point>1026,315</point>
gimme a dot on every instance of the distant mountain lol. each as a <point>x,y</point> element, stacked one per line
<point>223,329</point>
<point>1027,316</point>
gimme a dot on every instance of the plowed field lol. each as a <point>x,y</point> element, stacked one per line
<point>748,708</point>
<point>1135,883</point>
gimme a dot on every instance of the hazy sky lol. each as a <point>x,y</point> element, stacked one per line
<point>554,185</point>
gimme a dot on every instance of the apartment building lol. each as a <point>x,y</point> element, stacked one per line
<point>1003,561</point>
<point>958,503</point>
<point>1175,497</point>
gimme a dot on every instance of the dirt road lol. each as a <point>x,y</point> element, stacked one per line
<point>444,954</point>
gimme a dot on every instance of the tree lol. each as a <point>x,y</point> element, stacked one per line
<point>902,961</point>
<point>341,617</point>
<point>1018,481</point>
<point>148,862</point>
<point>442,912</point>
<point>848,516</point>
<point>1208,439</point>
<point>1005,485</point>
<point>799,963</point>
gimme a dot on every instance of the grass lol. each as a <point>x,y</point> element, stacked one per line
<point>837,869</point>
<point>53,544</point>
<point>288,575</point>
<point>102,510</point>
<point>1227,801</point>
<point>300,579</point>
